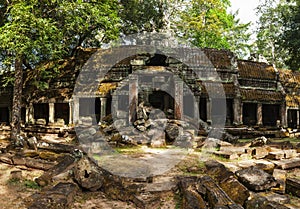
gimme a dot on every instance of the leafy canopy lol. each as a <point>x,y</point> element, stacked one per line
<point>206,23</point>
<point>47,29</point>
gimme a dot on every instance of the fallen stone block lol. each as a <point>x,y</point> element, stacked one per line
<point>276,155</point>
<point>227,155</point>
<point>287,163</point>
<point>64,164</point>
<point>256,179</point>
<point>235,190</point>
<point>38,164</point>
<point>293,186</point>
<point>260,152</point>
<point>260,202</point>
<point>146,201</point>
<point>192,192</point>
<point>258,142</point>
<point>60,196</point>
<point>273,197</point>
<point>215,195</point>
<point>88,175</point>
<point>290,153</point>
<point>218,170</point>
<point>265,165</point>
<point>6,158</point>
<point>280,176</point>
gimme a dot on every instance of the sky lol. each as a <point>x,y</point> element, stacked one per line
<point>246,10</point>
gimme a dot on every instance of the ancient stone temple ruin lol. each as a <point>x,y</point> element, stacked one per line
<point>257,94</point>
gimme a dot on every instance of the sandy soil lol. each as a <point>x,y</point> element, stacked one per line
<point>14,194</point>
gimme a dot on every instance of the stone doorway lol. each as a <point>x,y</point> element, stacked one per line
<point>41,112</point>
<point>270,114</point>
<point>249,114</point>
<point>4,115</point>
<point>163,101</point>
<point>203,109</point>
<point>61,111</point>
<point>292,118</point>
<point>90,107</point>
<point>229,112</point>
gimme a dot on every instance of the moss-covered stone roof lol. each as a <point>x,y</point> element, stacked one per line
<point>256,70</point>
<point>261,95</point>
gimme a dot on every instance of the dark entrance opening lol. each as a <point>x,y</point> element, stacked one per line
<point>89,107</point>
<point>62,111</point>
<point>188,106</point>
<point>270,114</point>
<point>157,60</point>
<point>249,114</point>
<point>229,111</point>
<point>163,101</point>
<point>218,111</point>
<point>203,109</point>
<point>292,118</point>
<point>4,115</point>
<point>23,115</point>
<point>41,111</point>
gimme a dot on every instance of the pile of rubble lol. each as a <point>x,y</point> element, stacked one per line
<point>151,127</point>
<point>255,175</point>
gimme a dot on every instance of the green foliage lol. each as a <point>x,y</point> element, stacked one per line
<point>206,23</point>
<point>278,32</point>
<point>142,15</point>
<point>290,37</point>
<point>31,184</point>
<point>43,30</point>
<point>269,32</point>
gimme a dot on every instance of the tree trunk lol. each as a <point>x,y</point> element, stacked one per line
<point>17,101</point>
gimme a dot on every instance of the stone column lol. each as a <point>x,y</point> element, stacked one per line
<point>71,121</point>
<point>166,103</point>
<point>133,97</point>
<point>178,99</point>
<point>51,112</point>
<point>208,110</point>
<point>237,111</point>
<point>298,118</point>
<point>259,114</point>
<point>196,107</point>
<point>283,115</point>
<point>29,118</point>
<point>103,102</point>
<point>241,112</point>
<point>76,110</point>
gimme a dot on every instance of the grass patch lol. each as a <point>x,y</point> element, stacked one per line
<point>24,183</point>
<point>31,184</point>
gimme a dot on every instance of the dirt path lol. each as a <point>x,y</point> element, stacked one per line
<point>15,193</point>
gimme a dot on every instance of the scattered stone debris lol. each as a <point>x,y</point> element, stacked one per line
<point>256,179</point>
<point>251,177</point>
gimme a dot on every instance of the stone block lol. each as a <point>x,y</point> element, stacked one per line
<point>235,190</point>
<point>276,155</point>
<point>293,186</point>
<point>256,179</point>
<point>287,163</point>
<point>88,174</point>
<point>265,165</point>
<point>259,152</point>
<point>280,177</point>
<point>290,153</point>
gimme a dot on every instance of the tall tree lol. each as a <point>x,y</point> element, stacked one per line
<point>36,30</point>
<point>142,15</point>
<point>206,23</point>
<point>270,27</point>
<point>289,40</point>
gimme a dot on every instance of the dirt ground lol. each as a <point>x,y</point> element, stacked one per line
<point>15,194</point>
